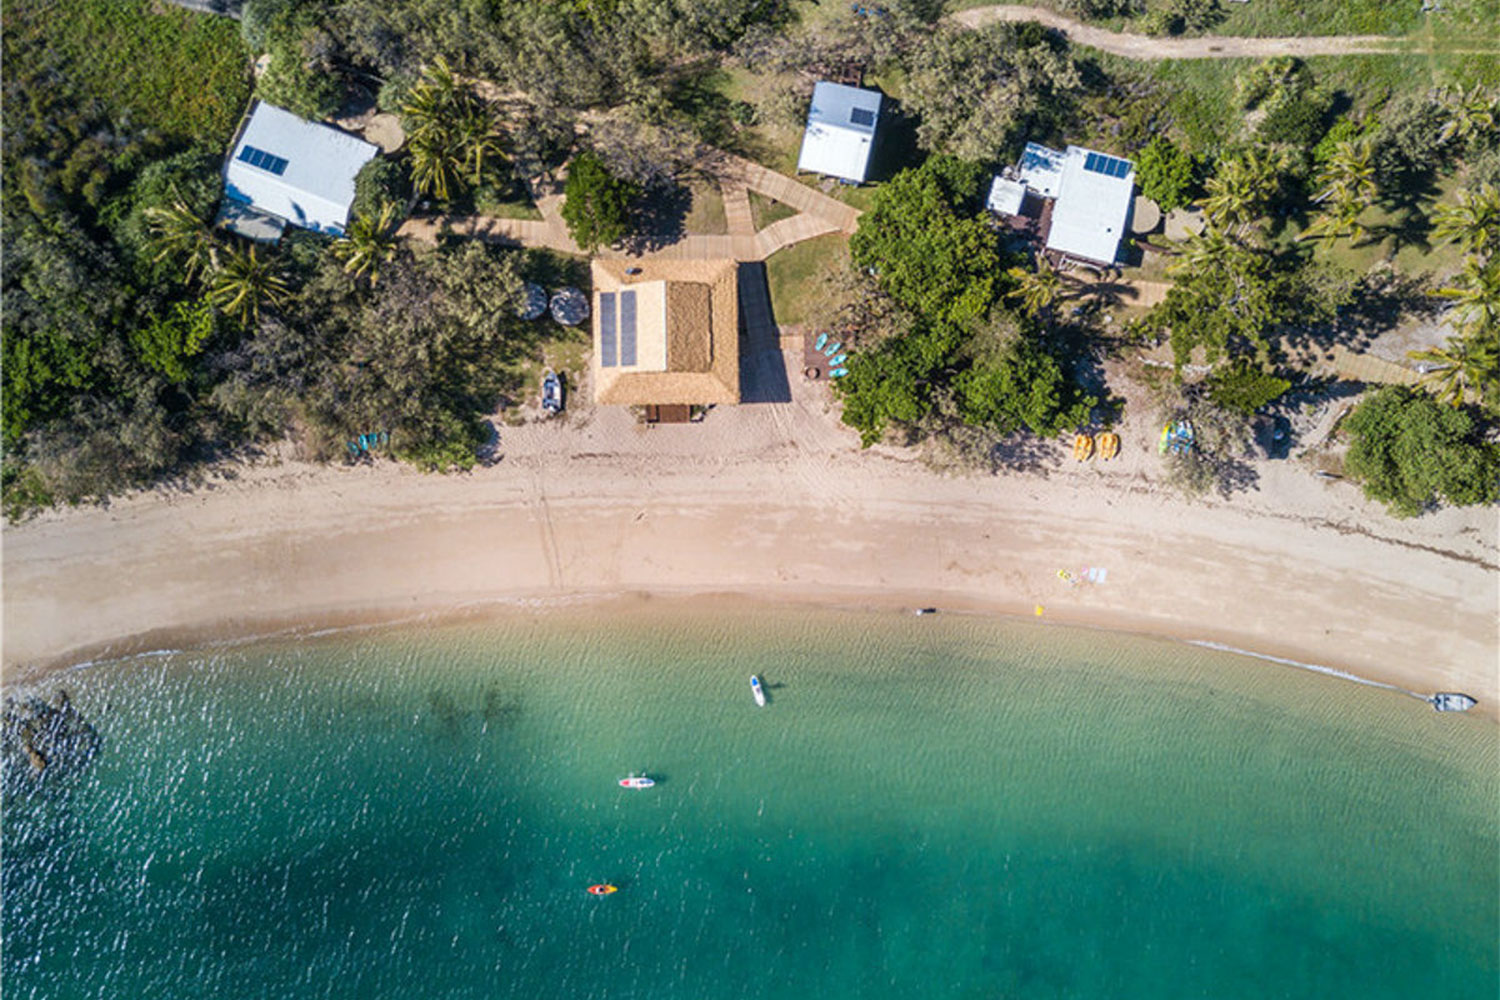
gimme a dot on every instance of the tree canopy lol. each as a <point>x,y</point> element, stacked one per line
<point>926,247</point>
<point>1410,453</point>
<point>597,205</point>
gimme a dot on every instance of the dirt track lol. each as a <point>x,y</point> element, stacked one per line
<point>1208,47</point>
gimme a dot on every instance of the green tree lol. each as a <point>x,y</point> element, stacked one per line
<point>1242,189</point>
<point>1464,365</point>
<point>244,281</point>
<point>178,234</point>
<point>1167,175</point>
<point>1476,294</point>
<point>893,383</point>
<point>1036,290</point>
<point>1023,387</point>
<point>452,131</point>
<point>1473,223</point>
<point>168,344</point>
<point>974,90</point>
<point>370,241</point>
<point>926,250</point>
<point>1245,387</point>
<point>597,206</point>
<point>1347,188</point>
<point>1410,453</point>
<point>1471,113</point>
<point>1230,299</point>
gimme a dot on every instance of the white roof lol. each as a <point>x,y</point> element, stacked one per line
<point>1092,205</point>
<point>840,131</point>
<point>1006,196</point>
<point>298,170</point>
<point>1042,169</point>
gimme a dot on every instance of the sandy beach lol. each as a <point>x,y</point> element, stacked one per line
<point>773,501</point>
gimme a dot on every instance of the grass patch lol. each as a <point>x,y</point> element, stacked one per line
<point>796,277</point>
<point>765,211</point>
<point>181,74</point>
<point>705,216</point>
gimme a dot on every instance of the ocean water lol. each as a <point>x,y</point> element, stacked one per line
<point>928,807</point>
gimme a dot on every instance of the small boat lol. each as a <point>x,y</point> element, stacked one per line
<point>758,691</point>
<point>1083,447</point>
<point>603,889</point>
<point>1452,701</point>
<point>832,349</point>
<point>1109,445</point>
<point>822,339</point>
<point>838,373</point>
<point>838,360</point>
<point>552,398</point>
<point>636,781</point>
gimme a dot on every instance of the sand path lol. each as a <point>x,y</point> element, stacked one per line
<point>776,501</point>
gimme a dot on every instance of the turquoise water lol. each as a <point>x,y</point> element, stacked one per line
<point>938,807</point>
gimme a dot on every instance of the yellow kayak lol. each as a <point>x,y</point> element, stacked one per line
<point>1109,445</point>
<point>1083,447</point>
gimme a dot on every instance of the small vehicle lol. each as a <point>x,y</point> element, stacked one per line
<point>552,392</point>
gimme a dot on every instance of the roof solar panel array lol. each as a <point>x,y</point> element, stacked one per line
<point>627,328</point>
<point>1109,166</point>
<point>862,116</point>
<point>265,161</point>
<point>607,352</point>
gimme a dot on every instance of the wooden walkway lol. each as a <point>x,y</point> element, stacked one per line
<point>817,215</point>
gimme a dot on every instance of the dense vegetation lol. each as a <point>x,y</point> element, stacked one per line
<point>1411,453</point>
<point>946,352</point>
<point>138,341</point>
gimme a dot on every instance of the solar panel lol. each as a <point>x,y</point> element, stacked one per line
<point>627,328</point>
<point>264,160</point>
<point>862,116</point>
<point>607,329</point>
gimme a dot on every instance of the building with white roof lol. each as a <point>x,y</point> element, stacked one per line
<point>840,131</point>
<point>1091,194</point>
<point>293,171</point>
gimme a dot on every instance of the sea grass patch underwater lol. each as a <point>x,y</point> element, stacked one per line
<point>934,806</point>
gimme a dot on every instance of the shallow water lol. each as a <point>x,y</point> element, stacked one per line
<point>938,806</point>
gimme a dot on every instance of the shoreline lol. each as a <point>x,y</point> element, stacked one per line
<point>209,637</point>
<point>774,503</point>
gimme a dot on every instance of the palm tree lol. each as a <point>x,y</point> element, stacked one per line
<point>1037,289</point>
<point>436,165</point>
<point>453,131</point>
<point>243,281</point>
<point>1464,365</point>
<point>177,232</point>
<point>1338,218</point>
<point>1241,190</point>
<point>1471,113</point>
<point>1477,294</point>
<point>369,242</point>
<point>1205,251</point>
<point>427,103</point>
<point>1474,223</point>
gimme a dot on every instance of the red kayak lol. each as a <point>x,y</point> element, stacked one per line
<point>603,889</point>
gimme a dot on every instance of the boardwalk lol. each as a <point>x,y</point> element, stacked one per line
<point>817,215</point>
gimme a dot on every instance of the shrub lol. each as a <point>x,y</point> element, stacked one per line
<point>1244,387</point>
<point>1167,175</point>
<point>597,205</point>
<point>1410,452</point>
<point>381,180</point>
